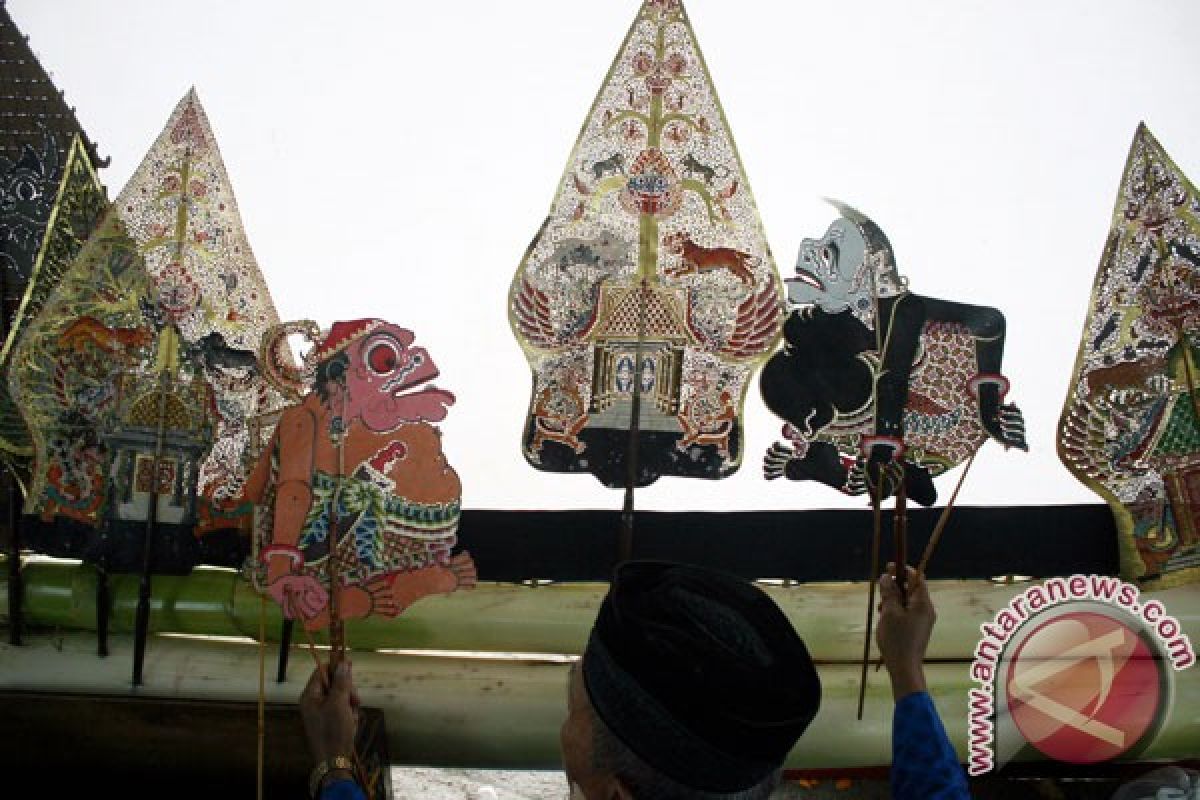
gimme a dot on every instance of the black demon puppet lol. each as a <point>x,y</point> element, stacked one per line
<point>871,374</point>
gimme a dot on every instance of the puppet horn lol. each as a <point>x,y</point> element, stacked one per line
<point>278,366</point>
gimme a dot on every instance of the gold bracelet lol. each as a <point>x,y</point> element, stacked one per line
<point>324,768</point>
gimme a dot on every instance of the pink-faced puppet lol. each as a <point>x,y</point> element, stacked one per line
<point>358,506</point>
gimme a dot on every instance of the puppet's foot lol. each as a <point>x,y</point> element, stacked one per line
<point>867,478</point>
<point>394,593</point>
<point>821,463</point>
<point>919,484</point>
<point>463,567</point>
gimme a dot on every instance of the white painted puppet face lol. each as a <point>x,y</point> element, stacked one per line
<point>831,272</point>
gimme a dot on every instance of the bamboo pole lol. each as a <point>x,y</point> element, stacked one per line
<point>490,713</point>
<point>554,618</point>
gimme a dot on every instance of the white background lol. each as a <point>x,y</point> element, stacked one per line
<point>394,159</point>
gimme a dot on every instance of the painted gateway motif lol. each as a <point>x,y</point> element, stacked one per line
<point>650,285</point>
<point>149,341</point>
<point>353,487</point>
<point>871,373</point>
<point>1130,427</point>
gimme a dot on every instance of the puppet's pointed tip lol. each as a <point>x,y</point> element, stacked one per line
<point>190,98</point>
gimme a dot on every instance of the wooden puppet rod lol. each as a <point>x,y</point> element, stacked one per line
<point>940,528</point>
<point>142,620</point>
<point>625,539</point>
<point>900,540</point>
<point>15,589</point>
<point>876,532</point>
<point>11,497</point>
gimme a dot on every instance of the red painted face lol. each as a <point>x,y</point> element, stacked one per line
<point>384,369</point>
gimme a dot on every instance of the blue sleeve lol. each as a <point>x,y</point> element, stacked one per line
<point>924,765</point>
<point>345,789</point>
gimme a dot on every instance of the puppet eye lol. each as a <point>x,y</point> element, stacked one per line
<point>381,358</point>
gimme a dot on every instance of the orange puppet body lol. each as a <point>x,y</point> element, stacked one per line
<point>358,462</point>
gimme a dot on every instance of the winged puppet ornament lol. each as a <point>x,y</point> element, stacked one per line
<point>871,374</point>
<point>359,507</point>
<point>649,296</point>
<point>1130,427</point>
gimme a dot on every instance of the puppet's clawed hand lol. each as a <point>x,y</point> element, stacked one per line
<point>1008,427</point>
<point>300,596</point>
<point>1003,422</point>
<point>776,460</point>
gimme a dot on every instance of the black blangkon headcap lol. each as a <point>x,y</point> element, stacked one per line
<point>700,674</point>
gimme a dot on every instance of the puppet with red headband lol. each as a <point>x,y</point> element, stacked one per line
<point>354,491</point>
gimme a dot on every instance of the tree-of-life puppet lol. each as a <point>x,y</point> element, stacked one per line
<point>1130,426</point>
<point>138,379</point>
<point>871,374</point>
<point>359,508</point>
<point>649,296</point>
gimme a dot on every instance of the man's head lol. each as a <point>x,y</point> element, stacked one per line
<point>693,685</point>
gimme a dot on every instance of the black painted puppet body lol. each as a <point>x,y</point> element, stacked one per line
<point>871,373</point>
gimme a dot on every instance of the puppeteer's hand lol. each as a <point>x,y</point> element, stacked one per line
<point>300,596</point>
<point>903,631</point>
<point>330,713</point>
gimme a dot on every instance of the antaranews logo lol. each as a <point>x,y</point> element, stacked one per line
<point>1077,667</point>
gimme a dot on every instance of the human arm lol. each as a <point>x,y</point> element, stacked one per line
<point>330,715</point>
<point>924,765</point>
